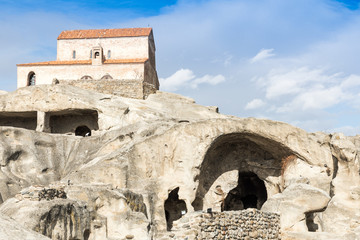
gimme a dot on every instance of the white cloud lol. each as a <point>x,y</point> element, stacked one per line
<point>263,54</point>
<point>352,81</point>
<point>177,80</point>
<point>186,78</point>
<point>305,89</point>
<point>288,82</point>
<point>256,103</point>
<point>314,99</point>
<point>212,80</point>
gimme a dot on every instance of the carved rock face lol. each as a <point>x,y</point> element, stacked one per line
<point>118,179</point>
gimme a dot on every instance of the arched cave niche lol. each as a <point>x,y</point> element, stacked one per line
<point>174,208</point>
<point>247,160</point>
<point>249,193</point>
<point>83,131</point>
<point>86,234</point>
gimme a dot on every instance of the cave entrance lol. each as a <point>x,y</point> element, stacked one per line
<point>82,122</point>
<point>174,208</point>
<point>27,120</point>
<point>83,131</point>
<point>249,193</point>
<point>239,163</point>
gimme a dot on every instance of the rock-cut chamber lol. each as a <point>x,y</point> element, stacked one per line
<point>237,172</point>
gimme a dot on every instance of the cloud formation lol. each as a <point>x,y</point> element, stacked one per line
<point>254,104</point>
<point>262,54</point>
<point>305,89</point>
<point>186,78</point>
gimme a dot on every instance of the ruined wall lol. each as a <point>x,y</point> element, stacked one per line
<point>246,224</point>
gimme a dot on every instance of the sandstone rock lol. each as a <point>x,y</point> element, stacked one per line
<point>294,202</point>
<point>10,229</point>
<point>142,150</point>
<point>318,236</point>
<point>57,219</point>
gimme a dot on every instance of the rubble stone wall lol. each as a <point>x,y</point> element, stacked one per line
<point>245,224</point>
<point>125,88</point>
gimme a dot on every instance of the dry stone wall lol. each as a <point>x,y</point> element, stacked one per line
<point>244,225</point>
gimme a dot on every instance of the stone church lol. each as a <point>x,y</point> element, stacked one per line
<point>115,61</point>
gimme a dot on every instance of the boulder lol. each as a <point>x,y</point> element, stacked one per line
<point>294,202</point>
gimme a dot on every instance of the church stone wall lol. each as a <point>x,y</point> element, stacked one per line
<point>46,74</point>
<point>150,75</point>
<point>124,88</point>
<point>121,48</point>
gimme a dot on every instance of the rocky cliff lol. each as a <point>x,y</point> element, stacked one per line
<point>147,165</point>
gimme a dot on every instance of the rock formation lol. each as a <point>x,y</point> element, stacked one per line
<point>149,168</point>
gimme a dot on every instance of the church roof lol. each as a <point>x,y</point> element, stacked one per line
<point>85,62</point>
<point>105,33</point>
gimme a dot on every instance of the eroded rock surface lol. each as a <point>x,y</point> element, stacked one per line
<point>10,229</point>
<point>151,162</point>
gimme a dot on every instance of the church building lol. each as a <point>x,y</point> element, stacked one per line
<point>112,61</point>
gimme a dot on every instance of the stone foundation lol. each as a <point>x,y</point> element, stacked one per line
<point>245,224</point>
<point>124,88</point>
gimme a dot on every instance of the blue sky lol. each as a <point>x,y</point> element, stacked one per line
<point>294,61</point>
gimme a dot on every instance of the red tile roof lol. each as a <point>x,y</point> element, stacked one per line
<point>105,33</point>
<point>84,62</point>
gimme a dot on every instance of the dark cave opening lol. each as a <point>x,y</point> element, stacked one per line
<point>83,131</point>
<point>174,208</point>
<point>249,193</point>
<point>310,224</point>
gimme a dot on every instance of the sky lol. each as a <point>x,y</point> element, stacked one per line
<point>292,61</point>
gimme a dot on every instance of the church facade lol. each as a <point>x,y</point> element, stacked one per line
<point>114,61</point>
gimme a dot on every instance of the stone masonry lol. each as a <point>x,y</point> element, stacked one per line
<point>245,225</point>
<point>125,88</point>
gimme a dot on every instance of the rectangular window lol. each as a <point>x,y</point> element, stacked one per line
<point>74,54</point>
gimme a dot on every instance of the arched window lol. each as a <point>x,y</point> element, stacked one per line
<point>90,54</point>
<point>109,54</point>
<point>31,79</point>
<point>86,77</point>
<point>97,54</point>
<point>74,54</point>
<point>106,77</point>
